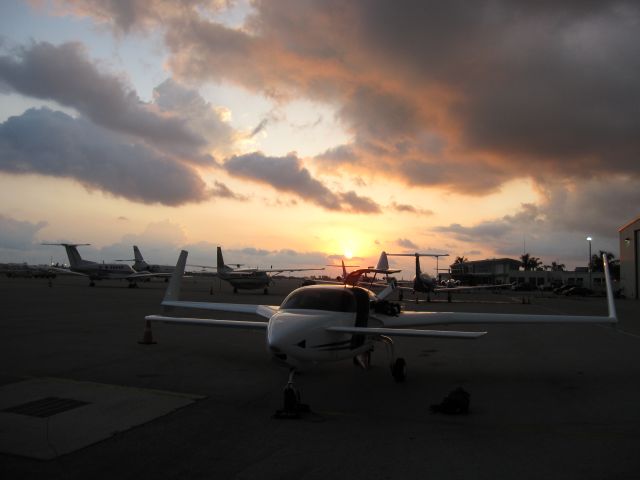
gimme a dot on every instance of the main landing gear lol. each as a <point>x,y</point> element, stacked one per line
<point>398,365</point>
<point>266,291</point>
<point>292,407</point>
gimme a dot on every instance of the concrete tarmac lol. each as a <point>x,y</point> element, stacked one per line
<point>547,401</point>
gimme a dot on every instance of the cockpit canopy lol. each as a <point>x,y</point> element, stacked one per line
<point>321,298</point>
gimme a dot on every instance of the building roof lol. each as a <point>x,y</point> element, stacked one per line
<point>491,260</point>
<point>628,224</point>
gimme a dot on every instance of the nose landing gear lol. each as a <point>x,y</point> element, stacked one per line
<point>292,406</point>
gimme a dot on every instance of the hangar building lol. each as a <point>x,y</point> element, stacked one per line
<point>630,258</point>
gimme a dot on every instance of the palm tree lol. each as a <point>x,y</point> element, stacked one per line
<point>596,260</point>
<point>529,262</point>
<point>461,260</point>
<point>558,267</point>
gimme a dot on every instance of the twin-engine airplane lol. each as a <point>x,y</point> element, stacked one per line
<point>250,278</point>
<point>425,283</point>
<point>100,271</point>
<point>140,265</point>
<point>321,323</point>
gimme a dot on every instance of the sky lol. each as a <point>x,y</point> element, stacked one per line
<point>298,132</point>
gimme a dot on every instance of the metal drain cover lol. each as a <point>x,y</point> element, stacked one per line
<point>46,407</point>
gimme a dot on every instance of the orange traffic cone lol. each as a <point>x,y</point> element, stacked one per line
<point>147,336</point>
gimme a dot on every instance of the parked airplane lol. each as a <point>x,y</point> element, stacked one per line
<point>101,271</point>
<point>140,265</point>
<point>425,283</point>
<point>321,323</point>
<point>24,270</point>
<point>250,279</point>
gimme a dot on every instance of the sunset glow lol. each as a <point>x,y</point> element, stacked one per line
<point>196,124</point>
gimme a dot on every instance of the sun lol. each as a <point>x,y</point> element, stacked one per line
<point>348,254</point>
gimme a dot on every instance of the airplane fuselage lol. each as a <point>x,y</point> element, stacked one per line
<point>423,283</point>
<point>104,271</point>
<point>250,281</point>
<point>297,333</point>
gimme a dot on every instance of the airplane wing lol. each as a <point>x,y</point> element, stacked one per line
<point>265,311</point>
<point>414,318</point>
<point>281,270</point>
<point>467,288</point>
<point>67,271</point>
<point>406,332</point>
<point>208,322</point>
<point>146,275</point>
<point>172,295</point>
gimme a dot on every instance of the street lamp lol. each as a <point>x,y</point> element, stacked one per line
<point>590,261</point>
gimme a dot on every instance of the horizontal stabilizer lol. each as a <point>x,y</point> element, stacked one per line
<point>405,332</point>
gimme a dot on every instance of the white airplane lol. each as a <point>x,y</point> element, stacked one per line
<point>100,271</point>
<point>251,278</point>
<point>321,323</point>
<point>140,265</point>
<point>425,283</point>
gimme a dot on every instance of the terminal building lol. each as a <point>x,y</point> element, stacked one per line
<point>629,258</point>
<point>507,270</point>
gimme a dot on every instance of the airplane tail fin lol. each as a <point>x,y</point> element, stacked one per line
<point>175,284</point>
<point>220,262</point>
<point>139,265</point>
<point>75,260</point>
<point>383,262</point>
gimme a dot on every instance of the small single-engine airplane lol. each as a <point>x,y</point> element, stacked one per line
<point>101,271</point>
<point>250,278</point>
<point>140,265</point>
<point>321,323</point>
<point>425,283</point>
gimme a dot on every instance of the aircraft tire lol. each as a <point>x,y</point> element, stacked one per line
<point>399,370</point>
<point>291,399</point>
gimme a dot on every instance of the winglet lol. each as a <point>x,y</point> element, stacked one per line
<point>173,290</point>
<point>611,304</point>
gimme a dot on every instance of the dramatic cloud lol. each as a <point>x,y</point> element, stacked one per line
<point>460,95</point>
<point>287,174</point>
<point>501,89</point>
<point>65,74</point>
<point>16,234</point>
<point>406,243</point>
<point>53,143</point>
<point>403,208</point>
<point>557,227</point>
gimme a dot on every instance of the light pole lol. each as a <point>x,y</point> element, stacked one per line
<point>590,262</point>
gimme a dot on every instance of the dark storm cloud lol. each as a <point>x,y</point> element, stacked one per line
<point>288,175</point>
<point>45,142</point>
<point>65,74</point>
